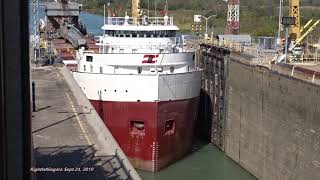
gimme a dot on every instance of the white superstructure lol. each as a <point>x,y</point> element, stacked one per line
<point>138,61</point>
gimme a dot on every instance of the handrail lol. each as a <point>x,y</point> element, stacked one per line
<point>129,21</point>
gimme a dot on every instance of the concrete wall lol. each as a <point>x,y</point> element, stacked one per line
<point>273,123</point>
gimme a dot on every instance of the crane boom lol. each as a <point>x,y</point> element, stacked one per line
<point>298,41</point>
<point>305,26</point>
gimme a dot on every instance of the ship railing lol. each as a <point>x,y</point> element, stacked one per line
<point>147,21</point>
<point>159,48</point>
<point>164,48</point>
<point>99,42</point>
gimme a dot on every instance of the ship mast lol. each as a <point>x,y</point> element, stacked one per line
<point>136,11</point>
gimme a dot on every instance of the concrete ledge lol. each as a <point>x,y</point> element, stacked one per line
<point>298,72</point>
<point>107,143</point>
<point>287,70</point>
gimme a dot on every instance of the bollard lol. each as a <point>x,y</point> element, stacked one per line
<point>33,97</point>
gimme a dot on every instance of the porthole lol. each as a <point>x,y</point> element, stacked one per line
<point>89,58</point>
<point>171,69</point>
<point>169,127</point>
<point>139,70</point>
<point>137,128</point>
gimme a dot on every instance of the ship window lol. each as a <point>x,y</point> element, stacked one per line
<point>84,67</point>
<point>161,51</point>
<point>121,50</point>
<point>137,127</point>
<point>134,51</point>
<point>109,33</point>
<point>142,33</point>
<point>89,58</point>
<point>117,33</point>
<point>128,33</point>
<point>172,33</point>
<point>122,34</point>
<point>171,69</point>
<point>169,127</point>
<point>160,34</point>
<point>156,34</point>
<point>91,68</point>
<point>101,70</point>
<point>160,69</point>
<point>166,33</point>
<point>139,70</point>
<point>134,34</point>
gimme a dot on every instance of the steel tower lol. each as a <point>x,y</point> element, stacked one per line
<point>294,11</point>
<point>233,18</point>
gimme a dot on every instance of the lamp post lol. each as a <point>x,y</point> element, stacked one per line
<point>104,14</point>
<point>287,22</point>
<point>280,23</point>
<point>207,18</point>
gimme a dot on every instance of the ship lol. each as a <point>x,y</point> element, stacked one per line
<point>144,84</point>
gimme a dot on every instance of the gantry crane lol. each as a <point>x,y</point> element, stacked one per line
<point>297,33</point>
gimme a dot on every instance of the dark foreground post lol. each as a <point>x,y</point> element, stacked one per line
<point>15,107</point>
<point>33,96</point>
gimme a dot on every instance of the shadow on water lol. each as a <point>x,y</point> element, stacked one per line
<point>204,120</point>
<point>81,157</point>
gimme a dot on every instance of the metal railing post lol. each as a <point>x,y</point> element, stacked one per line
<point>33,96</point>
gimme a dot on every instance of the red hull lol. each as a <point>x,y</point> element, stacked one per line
<point>152,134</point>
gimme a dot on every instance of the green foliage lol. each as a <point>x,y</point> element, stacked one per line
<point>258,17</point>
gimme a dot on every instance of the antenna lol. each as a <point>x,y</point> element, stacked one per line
<point>166,8</point>
<point>280,25</point>
<point>148,8</point>
<point>104,14</point>
<point>155,8</point>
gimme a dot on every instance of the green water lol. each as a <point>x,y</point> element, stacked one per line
<point>205,163</point>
